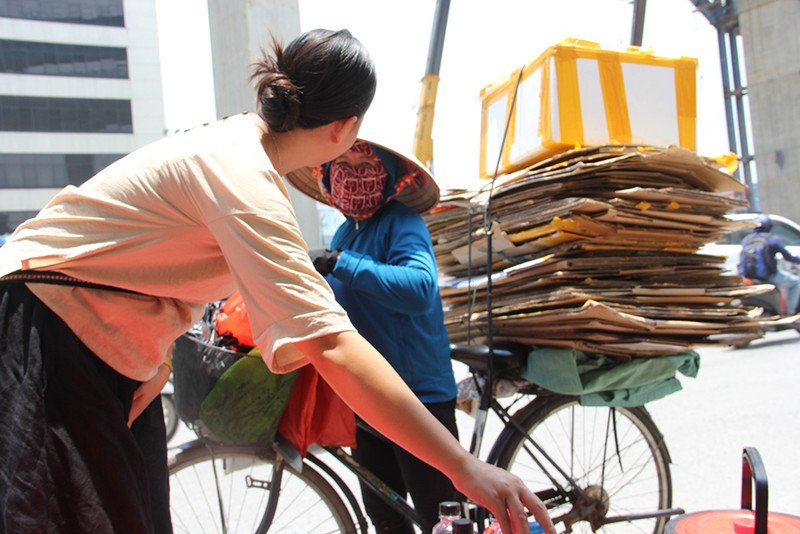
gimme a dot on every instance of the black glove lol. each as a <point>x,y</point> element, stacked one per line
<point>324,260</point>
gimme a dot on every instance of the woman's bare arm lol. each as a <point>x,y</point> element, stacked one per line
<point>366,381</point>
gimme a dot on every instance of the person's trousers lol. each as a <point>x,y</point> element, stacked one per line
<point>789,286</point>
<point>70,464</point>
<point>406,475</point>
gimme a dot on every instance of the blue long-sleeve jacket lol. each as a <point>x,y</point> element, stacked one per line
<point>777,246</point>
<point>386,279</point>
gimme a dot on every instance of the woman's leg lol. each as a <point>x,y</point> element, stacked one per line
<point>377,454</point>
<point>150,433</point>
<point>428,486</point>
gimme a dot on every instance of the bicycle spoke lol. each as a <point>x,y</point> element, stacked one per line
<point>614,456</point>
<point>230,489</point>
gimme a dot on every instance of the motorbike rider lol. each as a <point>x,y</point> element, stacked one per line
<point>787,283</point>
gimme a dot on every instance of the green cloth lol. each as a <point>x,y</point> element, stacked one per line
<point>603,381</point>
<point>246,403</point>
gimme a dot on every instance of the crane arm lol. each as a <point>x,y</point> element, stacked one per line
<point>423,139</point>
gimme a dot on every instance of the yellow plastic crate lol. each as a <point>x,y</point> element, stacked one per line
<point>578,94</point>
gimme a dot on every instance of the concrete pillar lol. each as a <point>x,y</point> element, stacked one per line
<point>770,32</point>
<point>239,30</point>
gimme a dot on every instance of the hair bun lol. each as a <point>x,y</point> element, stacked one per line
<point>322,76</point>
<point>281,96</point>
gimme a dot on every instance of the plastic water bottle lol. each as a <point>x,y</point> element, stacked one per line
<point>449,511</point>
<point>493,528</point>
<point>462,526</point>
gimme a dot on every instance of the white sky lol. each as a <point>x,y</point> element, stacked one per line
<point>484,42</point>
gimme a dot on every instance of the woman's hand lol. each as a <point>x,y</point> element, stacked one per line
<point>504,495</point>
<point>366,381</point>
<point>148,391</point>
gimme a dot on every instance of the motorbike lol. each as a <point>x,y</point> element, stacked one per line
<point>773,317</point>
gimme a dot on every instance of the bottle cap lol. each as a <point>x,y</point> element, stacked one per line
<point>449,508</point>
<point>462,526</point>
<point>536,528</point>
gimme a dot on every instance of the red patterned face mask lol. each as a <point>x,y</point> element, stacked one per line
<point>358,182</point>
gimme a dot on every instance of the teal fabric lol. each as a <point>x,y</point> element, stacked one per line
<point>603,381</point>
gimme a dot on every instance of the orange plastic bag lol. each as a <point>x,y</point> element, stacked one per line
<point>232,319</point>
<point>316,414</point>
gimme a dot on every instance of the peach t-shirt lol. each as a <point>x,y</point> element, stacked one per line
<point>187,219</point>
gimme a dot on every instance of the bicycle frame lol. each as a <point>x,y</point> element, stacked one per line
<point>391,497</point>
<point>375,484</point>
<point>476,357</point>
<point>524,446</point>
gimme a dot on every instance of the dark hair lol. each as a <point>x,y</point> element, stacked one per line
<point>321,77</point>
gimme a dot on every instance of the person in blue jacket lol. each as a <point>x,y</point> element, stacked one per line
<point>786,282</point>
<point>382,269</point>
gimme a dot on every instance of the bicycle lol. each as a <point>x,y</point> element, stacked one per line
<point>593,467</point>
<point>171,420</point>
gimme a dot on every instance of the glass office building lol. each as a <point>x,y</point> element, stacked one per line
<point>80,86</point>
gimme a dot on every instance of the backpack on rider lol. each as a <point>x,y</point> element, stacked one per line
<point>755,261</point>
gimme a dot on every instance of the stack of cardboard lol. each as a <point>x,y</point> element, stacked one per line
<point>595,249</point>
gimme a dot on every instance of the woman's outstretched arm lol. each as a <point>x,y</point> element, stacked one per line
<point>366,381</point>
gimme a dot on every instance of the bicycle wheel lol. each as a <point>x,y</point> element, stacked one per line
<point>616,457</point>
<point>216,488</point>
<point>170,415</point>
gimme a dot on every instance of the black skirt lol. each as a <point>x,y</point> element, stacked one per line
<point>68,461</point>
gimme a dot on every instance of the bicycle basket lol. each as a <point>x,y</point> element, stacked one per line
<point>229,396</point>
